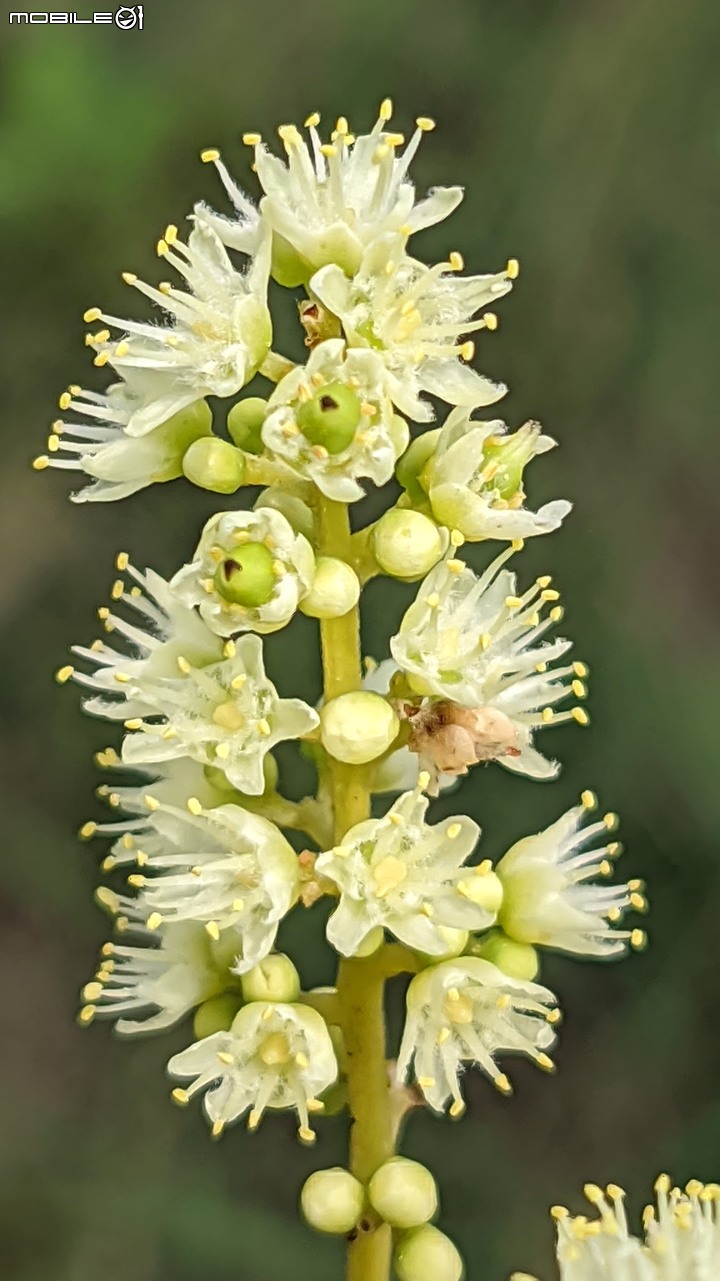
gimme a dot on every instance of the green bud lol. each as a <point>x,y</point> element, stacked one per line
<point>245,422</point>
<point>215,1015</point>
<point>455,943</point>
<point>358,727</point>
<point>406,544</point>
<point>214,464</point>
<point>295,511</point>
<point>517,960</point>
<point>403,1192</point>
<point>510,454</point>
<point>332,1201</point>
<point>426,1254</point>
<point>372,941</point>
<point>331,418</point>
<point>335,589</point>
<point>274,979</point>
<point>288,267</point>
<point>410,466</point>
<point>246,576</point>
<point>486,889</point>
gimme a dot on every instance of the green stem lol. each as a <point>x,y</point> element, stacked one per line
<point>361,983</point>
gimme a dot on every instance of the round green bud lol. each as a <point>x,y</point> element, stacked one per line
<point>246,576</point>
<point>274,979</point>
<point>214,464</point>
<point>245,422</point>
<point>358,727</point>
<point>483,888</point>
<point>406,544</point>
<point>403,1192</point>
<point>410,466</point>
<point>426,1254</point>
<point>295,511</point>
<point>372,941</point>
<point>215,1015</point>
<point>517,960</point>
<point>335,589</point>
<point>331,418</point>
<point>288,267</point>
<point>332,1200</point>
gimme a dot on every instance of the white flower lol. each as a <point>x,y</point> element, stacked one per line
<point>375,436</point>
<point>119,464</point>
<point>166,630</point>
<point>682,1237</point>
<point>469,1011</point>
<point>226,715</point>
<point>332,199</point>
<point>399,874</point>
<point>473,641</point>
<point>187,968</point>
<point>274,1056</point>
<point>224,868</point>
<point>547,900</point>
<point>412,316</point>
<point>474,479</point>
<point>279,575</point>
<point>218,336</point>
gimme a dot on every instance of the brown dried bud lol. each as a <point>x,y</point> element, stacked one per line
<point>449,738</point>
<point>317,322</point>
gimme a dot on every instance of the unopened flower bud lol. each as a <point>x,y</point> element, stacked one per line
<point>455,941</point>
<point>517,960</point>
<point>335,589</point>
<point>273,979</point>
<point>426,1254</point>
<point>332,1200</point>
<point>358,727</point>
<point>371,942</point>
<point>331,418</point>
<point>244,424</point>
<point>403,1193</point>
<point>295,511</point>
<point>289,268</point>
<point>215,1015</point>
<point>214,464</point>
<point>482,887</point>
<point>410,466</point>
<point>246,576</point>
<point>407,544</point>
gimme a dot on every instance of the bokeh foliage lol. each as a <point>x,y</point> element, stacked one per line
<point>587,137</point>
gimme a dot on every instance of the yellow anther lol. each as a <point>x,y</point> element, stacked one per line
<point>512,270</point>
<point>456,538</point>
<point>151,802</point>
<point>64,674</point>
<point>615,1192</point>
<point>578,689</point>
<point>238,681</point>
<point>513,602</point>
<point>467,350</point>
<point>341,125</point>
<point>87,1014</point>
<point>183,665</point>
<point>455,566</point>
<point>550,593</point>
<point>593,1193</point>
<point>638,939</point>
<point>580,715</point>
<point>328,150</point>
<point>541,667</point>
<point>483,868</point>
<point>226,1058</point>
<point>65,400</point>
<point>454,831</point>
<point>171,233</point>
<point>396,140</point>
<point>547,714</point>
<point>121,350</point>
<point>502,1084</point>
<point>426,1082</point>
<point>638,902</point>
<point>503,1002</point>
<point>313,120</point>
<point>559,1212</point>
<point>217,1129</point>
<point>580,669</point>
<point>161,248</point>
<point>423,780</point>
<point>610,821</point>
<point>491,320</point>
<point>443,1035</point>
<point>87,830</point>
<point>425,123</point>
<point>117,589</point>
<point>101,359</point>
<point>194,805</point>
<point>41,462</point>
<point>456,260</point>
<point>306,1135</point>
<point>386,109</point>
<point>517,544</point>
<point>433,600</point>
<point>213,930</point>
<point>222,751</point>
<point>129,277</point>
<point>663,1184</point>
<point>154,921</point>
<point>229,649</point>
<point>302,1060</point>
<point>545,1062</point>
<point>238,905</point>
<point>456,1109</point>
<point>136,881</point>
<point>553,1017</point>
<point>485,640</point>
<point>252,139</point>
<point>556,614</point>
<point>91,315</point>
<point>209,155</point>
<point>134,723</point>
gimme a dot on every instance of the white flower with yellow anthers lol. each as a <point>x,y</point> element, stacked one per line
<point>682,1237</point>
<point>469,1011</point>
<point>164,630</point>
<point>330,200</point>
<point>332,421</point>
<point>151,988</point>
<point>413,316</point>
<point>224,868</point>
<point>227,715</point>
<point>218,336</point>
<point>476,643</point>
<point>274,1056</point>
<point>249,572</point>
<point>119,464</point>
<point>547,899</point>
<point>399,874</point>
<point>474,479</point>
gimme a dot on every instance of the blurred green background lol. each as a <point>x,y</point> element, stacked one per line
<point>588,138</point>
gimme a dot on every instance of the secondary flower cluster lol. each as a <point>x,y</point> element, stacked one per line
<point>475,672</point>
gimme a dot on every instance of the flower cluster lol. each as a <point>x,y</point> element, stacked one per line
<point>475,672</point>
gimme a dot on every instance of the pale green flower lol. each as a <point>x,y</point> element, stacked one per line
<point>119,464</point>
<point>399,874</point>
<point>547,899</point>
<point>475,642</point>
<point>474,479</point>
<point>413,317</point>
<point>370,437</point>
<point>328,201</point>
<point>469,1011</point>
<point>681,1242</point>
<point>279,575</point>
<point>274,1056</point>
